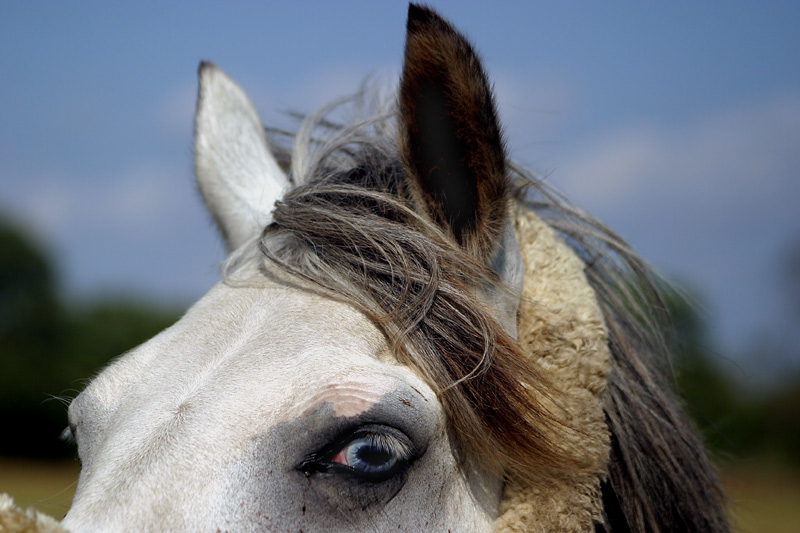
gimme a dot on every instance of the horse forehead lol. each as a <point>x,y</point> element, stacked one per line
<point>271,344</point>
<point>275,315</point>
<point>268,326</point>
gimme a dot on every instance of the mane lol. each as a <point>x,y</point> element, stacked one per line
<point>349,227</point>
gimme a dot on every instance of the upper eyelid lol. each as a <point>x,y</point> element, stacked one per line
<point>374,430</point>
<point>404,450</point>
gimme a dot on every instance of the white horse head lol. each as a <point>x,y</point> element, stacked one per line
<point>360,366</point>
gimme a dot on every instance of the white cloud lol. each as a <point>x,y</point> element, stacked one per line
<point>712,201</point>
<point>745,158</point>
<point>533,106</point>
<point>176,112</point>
<point>140,199</point>
<point>141,231</point>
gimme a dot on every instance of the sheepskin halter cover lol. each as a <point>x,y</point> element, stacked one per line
<point>13,519</point>
<point>562,326</point>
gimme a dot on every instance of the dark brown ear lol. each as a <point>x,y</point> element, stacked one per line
<point>450,139</point>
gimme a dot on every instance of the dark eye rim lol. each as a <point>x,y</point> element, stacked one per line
<point>322,460</point>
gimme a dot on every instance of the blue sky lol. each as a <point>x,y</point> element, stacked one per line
<point>677,123</point>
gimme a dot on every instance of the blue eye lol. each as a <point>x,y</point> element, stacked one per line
<point>371,455</point>
<point>374,456</point>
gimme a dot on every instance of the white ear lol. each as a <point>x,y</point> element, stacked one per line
<point>238,176</point>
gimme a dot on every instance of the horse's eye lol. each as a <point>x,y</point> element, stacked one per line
<point>374,455</point>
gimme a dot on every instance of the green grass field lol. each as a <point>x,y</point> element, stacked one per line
<point>763,501</point>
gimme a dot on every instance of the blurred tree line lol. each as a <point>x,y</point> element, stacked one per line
<point>740,418</point>
<point>49,350</point>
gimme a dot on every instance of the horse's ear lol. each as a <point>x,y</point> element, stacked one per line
<point>238,176</point>
<point>450,138</point>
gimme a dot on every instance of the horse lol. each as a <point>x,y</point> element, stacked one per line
<point>411,332</point>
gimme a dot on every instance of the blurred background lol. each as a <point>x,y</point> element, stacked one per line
<point>677,124</point>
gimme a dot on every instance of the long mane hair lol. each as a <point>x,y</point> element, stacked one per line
<point>348,226</point>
